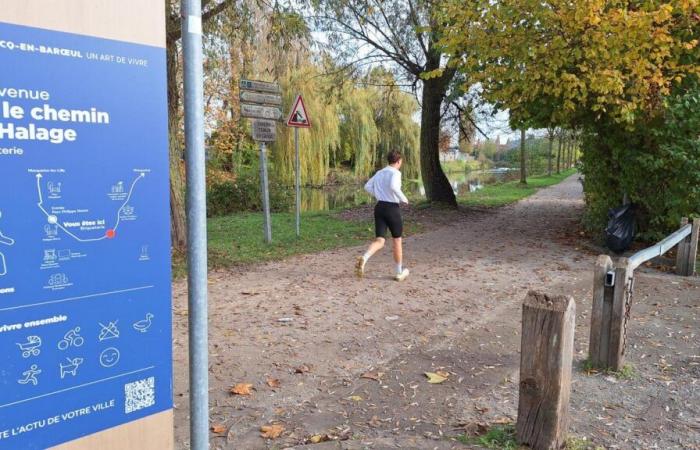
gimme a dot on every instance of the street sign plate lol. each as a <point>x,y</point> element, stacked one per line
<point>260,86</point>
<point>299,118</point>
<point>260,112</point>
<point>261,99</point>
<point>264,130</point>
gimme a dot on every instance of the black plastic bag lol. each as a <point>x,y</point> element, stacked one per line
<point>619,233</point>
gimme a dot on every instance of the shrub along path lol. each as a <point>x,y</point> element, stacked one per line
<point>316,354</point>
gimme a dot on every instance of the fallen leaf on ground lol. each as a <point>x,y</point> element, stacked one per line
<point>271,431</point>
<point>318,438</point>
<point>434,378</point>
<point>502,421</point>
<point>443,373</point>
<point>302,369</point>
<point>356,398</point>
<point>372,375</point>
<point>218,428</point>
<point>273,382</point>
<point>242,389</point>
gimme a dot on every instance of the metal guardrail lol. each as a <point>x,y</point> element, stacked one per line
<point>660,248</point>
<point>613,284</point>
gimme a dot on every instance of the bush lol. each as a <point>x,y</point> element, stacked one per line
<point>228,196</point>
<point>657,163</point>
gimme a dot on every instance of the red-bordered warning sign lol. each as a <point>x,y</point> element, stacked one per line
<point>298,117</point>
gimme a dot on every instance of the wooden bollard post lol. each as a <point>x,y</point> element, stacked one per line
<point>682,252</point>
<point>601,311</point>
<point>546,352</point>
<point>688,251</point>
<point>622,299</point>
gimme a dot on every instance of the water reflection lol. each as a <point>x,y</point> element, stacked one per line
<point>347,196</point>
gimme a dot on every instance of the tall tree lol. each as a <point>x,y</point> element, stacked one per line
<point>210,9</point>
<point>405,34</point>
<point>550,154</point>
<point>523,167</point>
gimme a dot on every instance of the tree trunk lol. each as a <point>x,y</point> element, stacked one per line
<point>178,224</point>
<point>523,168</point>
<point>437,186</point>
<point>559,153</point>
<point>551,154</point>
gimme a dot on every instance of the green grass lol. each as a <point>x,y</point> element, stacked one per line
<point>496,195</point>
<point>574,443</point>
<point>500,437</point>
<point>460,166</point>
<point>628,372</point>
<point>238,239</point>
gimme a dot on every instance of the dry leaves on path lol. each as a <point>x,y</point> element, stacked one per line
<point>436,377</point>
<point>372,375</point>
<point>273,383</point>
<point>272,431</point>
<point>242,389</point>
<point>218,428</point>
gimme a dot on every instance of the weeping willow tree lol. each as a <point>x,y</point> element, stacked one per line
<point>359,133</point>
<point>399,131</point>
<point>316,143</point>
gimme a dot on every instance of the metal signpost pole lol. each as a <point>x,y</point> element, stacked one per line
<point>267,226</point>
<point>298,180</point>
<point>196,224</point>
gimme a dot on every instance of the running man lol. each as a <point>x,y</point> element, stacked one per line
<point>385,186</point>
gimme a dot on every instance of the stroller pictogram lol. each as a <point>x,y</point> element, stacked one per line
<point>72,338</point>
<point>31,347</point>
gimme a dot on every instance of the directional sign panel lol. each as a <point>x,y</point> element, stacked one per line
<point>260,86</point>
<point>264,130</point>
<point>260,112</point>
<point>85,309</point>
<point>261,99</point>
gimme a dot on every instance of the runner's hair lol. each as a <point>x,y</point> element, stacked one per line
<point>394,156</point>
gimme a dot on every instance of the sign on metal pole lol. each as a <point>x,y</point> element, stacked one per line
<point>261,99</point>
<point>260,86</point>
<point>298,118</point>
<point>85,298</point>
<point>260,112</point>
<point>264,130</point>
<point>261,102</point>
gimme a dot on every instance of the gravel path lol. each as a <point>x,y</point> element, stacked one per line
<point>349,364</point>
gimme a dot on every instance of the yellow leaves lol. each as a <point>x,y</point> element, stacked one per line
<point>432,74</point>
<point>355,398</point>
<point>272,431</point>
<point>242,389</point>
<point>690,45</point>
<point>437,377</point>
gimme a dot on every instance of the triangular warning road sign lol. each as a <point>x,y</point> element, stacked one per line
<point>298,117</point>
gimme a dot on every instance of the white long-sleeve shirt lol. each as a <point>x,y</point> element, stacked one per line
<point>385,186</point>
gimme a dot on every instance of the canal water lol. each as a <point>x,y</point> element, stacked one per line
<point>347,196</point>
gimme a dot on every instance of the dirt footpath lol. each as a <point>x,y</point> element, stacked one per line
<point>333,357</point>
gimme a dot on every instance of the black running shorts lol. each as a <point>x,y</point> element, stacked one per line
<point>388,215</point>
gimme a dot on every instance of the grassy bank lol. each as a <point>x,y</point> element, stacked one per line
<point>460,166</point>
<point>506,193</point>
<point>238,238</point>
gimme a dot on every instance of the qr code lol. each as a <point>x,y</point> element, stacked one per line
<point>139,394</point>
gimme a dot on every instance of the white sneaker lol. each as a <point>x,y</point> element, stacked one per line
<point>360,267</point>
<point>401,276</point>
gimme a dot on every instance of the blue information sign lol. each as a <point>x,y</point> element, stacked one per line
<point>85,299</point>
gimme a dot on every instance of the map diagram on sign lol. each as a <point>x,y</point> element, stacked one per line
<point>74,227</point>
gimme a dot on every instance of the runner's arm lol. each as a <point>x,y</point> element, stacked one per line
<point>396,187</point>
<point>369,187</point>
